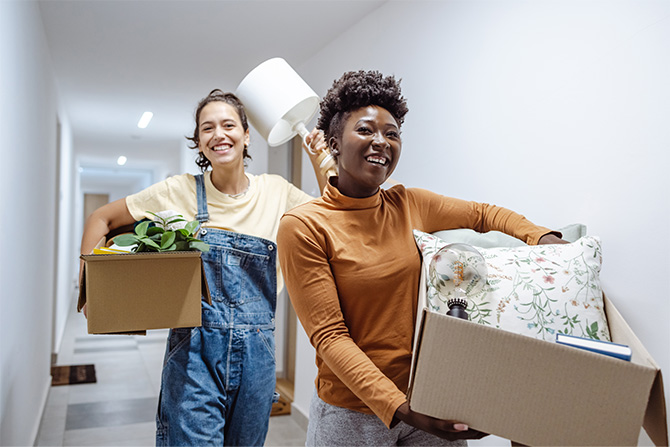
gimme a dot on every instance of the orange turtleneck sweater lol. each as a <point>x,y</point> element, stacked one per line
<point>352,270</point>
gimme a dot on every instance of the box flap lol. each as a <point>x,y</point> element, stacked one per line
<point>421,307</point>
<point>621,333</point>
<point>655,418</point>
<point>415,349</point>
<point>82,287</point>
<point>204,286</point>
<point>124,333</point>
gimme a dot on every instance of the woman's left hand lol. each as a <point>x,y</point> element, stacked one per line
<point>551,238</point>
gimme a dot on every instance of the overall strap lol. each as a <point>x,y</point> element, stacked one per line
<point>202,215</point>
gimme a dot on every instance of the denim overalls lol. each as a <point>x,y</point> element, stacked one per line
<point>218,380</point>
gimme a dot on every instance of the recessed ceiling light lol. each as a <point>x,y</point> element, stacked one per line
<point>121,160</point>
<point>144,121</point>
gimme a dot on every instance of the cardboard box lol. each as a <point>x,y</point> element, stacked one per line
<point>132,292</point>
<point>536,392</point>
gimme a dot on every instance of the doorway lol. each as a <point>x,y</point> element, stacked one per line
<point>92,202</point>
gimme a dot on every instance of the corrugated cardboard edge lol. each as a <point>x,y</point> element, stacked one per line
<point>655,418</point>
<point>81,300</point>
<point>421,304</point>
<point>204,286</point>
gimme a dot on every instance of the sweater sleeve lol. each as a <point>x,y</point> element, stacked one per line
<point>314,296</point>
<point>438,213</point>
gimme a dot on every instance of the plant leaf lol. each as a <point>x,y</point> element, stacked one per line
<point>155,215</point>
<point>192,226</point>
<point>199,245</point>
<point>167,239</point>
<point>154,230</point>
<point>181,246</point>
<point>123,240</point>
<point>141,228</point>
<point>150,244</point>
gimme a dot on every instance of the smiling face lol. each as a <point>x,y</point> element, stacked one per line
<point>367,151</point>
<point>222,138</point>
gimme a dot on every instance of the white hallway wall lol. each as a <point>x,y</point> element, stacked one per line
<point>28,116</point>
<point>556,109</point>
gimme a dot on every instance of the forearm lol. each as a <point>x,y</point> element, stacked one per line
<point>356,370</point>
<point>320,174</point>
<point>509,222</point>
<point>94,230</point>
<point>102,221</point>
<point>439,212</point>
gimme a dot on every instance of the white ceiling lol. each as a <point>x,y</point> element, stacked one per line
<point>115,59</point>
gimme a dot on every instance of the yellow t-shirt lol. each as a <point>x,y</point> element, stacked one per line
<point>257,212</point>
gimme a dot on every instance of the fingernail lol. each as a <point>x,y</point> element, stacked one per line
<point>461,427</point>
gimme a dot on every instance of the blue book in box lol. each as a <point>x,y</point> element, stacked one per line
<point>601,347</point>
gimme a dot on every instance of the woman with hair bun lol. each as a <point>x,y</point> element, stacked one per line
<point>352,271</point>
<point>218,380</point>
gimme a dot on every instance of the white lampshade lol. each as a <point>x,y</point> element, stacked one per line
<point>277,101</point>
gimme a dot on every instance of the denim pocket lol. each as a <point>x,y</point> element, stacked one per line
<point>267,336</point>
<point>238,276</point>
<point>178,338</point>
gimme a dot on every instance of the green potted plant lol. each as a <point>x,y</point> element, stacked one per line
<point>167,232</point>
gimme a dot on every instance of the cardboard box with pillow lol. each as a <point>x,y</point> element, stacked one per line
<point>504,376</point>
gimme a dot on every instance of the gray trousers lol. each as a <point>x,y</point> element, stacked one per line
<point>335,426</point>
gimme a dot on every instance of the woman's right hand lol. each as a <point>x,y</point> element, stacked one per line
<point>317,149</point>
<point>445,429</point>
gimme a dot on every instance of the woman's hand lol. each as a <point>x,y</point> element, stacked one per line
<point>315,143</point>
<point>317,149</point>
<point>551,238</point>
<point>450,430</point>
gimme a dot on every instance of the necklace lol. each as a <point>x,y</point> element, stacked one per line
<point>240,194</point>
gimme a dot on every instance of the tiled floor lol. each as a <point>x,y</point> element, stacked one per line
<point>119,409</point>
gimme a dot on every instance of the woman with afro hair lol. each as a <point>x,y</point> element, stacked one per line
<point>352,271</point>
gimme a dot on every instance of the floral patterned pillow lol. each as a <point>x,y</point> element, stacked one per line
<point>533,290</point>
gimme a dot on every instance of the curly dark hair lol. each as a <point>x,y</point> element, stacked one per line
<point>228,98</point>
<point>356,89</point>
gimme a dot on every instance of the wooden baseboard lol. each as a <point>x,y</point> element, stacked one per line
<point>285,390</point>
